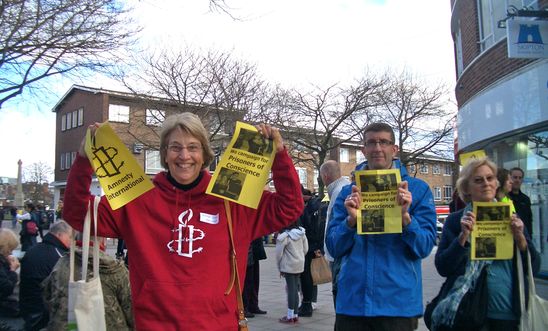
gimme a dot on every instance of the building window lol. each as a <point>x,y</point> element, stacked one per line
<point>118,113</point>
<point>412,168</point>
<point>152,162</point>
<point>155,117</point>
<point>423,168</point>
<point>72,157</point>
<point>490,12</point>
<point>447,192</point>
<point>62,161</point>
<point>80,116</point>
<point>343,155</point>
<point>437,193</point>
<point>302,176</point>
<point>436,169</point>
<point>63,122</point>
<point>69,121</point>
<point>359,156</point>
<point>75,119</point>
<point>448,170</point>
<point>316,184</point>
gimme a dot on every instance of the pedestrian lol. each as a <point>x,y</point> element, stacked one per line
<point>29,232</point>
<point>9,306</point>
<point>252,278</point>
<point>36,266</point>
<point>478,182</point>
<point>313,221</point>
<point>178,235</point>
<point>291,247</point>
<point>380,281</point>
<point>330,173</point>
<point>13,212</point>
<point>114,284</point>
<point>522,202</point>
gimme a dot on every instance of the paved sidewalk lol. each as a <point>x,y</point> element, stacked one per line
<point>272,297</point>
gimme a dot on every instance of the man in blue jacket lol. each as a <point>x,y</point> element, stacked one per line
<point>380,282</point>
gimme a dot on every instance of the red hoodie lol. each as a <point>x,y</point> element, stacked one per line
<point>178,243</point>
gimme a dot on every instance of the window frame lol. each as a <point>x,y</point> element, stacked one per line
<point>114,113</point>
<point>149,170</point>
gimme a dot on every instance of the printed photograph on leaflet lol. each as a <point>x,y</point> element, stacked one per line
<point>120,176</point>
<point>492,238</point>
<point>379,212</point>
<point>244,168</point>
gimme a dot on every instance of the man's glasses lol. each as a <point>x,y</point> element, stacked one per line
<point>382,143</point>
<point>191,148</point>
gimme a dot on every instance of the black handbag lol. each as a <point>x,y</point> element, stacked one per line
<point>472,311</point>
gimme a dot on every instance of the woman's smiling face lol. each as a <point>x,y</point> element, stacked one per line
<point>184,156</point>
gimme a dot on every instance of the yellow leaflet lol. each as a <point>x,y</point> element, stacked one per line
<point>492,237</point>
<point>119,174</point>
<point>465,157</point>
<point>379,212</point>
<point>243,169</point>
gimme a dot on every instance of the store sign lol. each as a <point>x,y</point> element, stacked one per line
<point>527,38</point>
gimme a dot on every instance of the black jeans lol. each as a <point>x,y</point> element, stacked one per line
<point>362,323</point>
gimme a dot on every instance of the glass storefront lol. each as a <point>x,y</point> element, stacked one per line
<point>529,151</point>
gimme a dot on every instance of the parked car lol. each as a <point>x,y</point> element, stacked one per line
<point>442,212</point>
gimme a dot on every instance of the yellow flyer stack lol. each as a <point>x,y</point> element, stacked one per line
<point>244,168</point>
<point>119,174</point>
<point>379,212</point>
<point>492,237</point>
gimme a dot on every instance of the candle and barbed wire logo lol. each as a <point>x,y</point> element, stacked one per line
<point>106,158</point>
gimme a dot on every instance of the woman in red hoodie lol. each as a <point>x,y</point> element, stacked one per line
<point>178,235</point>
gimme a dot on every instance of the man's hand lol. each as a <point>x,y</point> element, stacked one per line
<point>352,203</point>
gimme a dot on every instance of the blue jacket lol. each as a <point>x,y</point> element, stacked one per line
<point>381,274</point>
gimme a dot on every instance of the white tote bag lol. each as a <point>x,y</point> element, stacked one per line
<point>535,318</point>
<point>86,309</point>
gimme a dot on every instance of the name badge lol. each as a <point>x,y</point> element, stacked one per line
<point>208,218</point>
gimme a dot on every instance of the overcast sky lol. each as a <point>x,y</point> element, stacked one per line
<point>292,42</point>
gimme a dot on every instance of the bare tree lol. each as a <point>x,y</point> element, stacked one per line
<point>419,115</point>
<point>318,122</point>
<point>44,38</point>
<point>214,85</point>
<point>36,177</point>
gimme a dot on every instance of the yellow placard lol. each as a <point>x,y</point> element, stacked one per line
<point>119,174</point>
<point>465,157</point>
<point>243,169</point>
<point>379,212</point>
<point>492,237</point>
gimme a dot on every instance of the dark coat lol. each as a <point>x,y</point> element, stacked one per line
<point>8,281</point>
<point>451,257</point>
<point>35,267</point>
<point>313,221</point>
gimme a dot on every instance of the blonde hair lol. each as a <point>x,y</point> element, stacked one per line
<point>188,123</point>
<point>468,171</point>
<point>8,241</point>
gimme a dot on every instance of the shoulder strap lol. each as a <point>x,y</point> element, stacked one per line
<point>242,321</point>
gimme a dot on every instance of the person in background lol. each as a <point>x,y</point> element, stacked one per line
<point>522,203</point>
<point>291,247</point>
<point>380,281</point>
<point>13,212</point>
<point>36,266</point>
<point>504,187</point>
<point>478,182</point>
<point>114,283</point>
<point>330,173</point>
<point>178,235</point>
<point>28,239</point>
<point>250,293</point>
<point>9,306</point>
<point>313,221</point>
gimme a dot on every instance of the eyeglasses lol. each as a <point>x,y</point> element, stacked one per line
<point>191,148</point>
<point>479,180</point>
<point>382,143</point>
